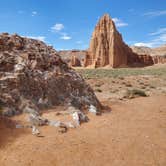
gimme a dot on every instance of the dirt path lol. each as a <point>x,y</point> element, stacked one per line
<point>133,134</point>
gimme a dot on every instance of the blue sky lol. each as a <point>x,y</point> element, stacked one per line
<point>68,24</point>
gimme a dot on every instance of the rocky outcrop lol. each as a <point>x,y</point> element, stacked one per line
<point>33,77</point>
<point>75,62</point>
<point>159,59</point>
<point>158,51</point>
<point>108,49</point>
<point>74,58</point>
<point>107,46</point>
<point>141,50</point>
<point>158,54</point>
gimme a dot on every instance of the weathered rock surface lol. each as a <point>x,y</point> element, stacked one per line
<point>158,54</point>
<point>73,58</point>
<point>33,77</point>
<point>75,62</point>
<point>107,48</point>
<point>159,59</point>
<point>158,51</point>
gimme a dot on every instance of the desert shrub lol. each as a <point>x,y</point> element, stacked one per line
<point>98,90</point>
<point>135,93</point>
<point>1,107</point>
<point>143,87</point>
<point>128,84</point>
<point>152,87</point>
<point>97,85</point>
<point>1,110</point>
<point>121,78</point>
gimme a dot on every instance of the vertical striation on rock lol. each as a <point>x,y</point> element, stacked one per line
<point>107,48</point>
<point>106,45</point>
<point>75,62</point>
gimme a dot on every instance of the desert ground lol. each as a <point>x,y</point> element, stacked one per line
<point>133,133</point>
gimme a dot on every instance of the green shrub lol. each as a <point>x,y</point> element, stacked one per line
<point>135,93</point>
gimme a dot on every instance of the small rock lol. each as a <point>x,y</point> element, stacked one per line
<point>35,131</point>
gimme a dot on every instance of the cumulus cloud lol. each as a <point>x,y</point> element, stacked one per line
<point>158,38</point>
<point>34,13</point>
<point>119,22</point>
<point>65,36</point>
<point>155,13</point>
<point>142,44</point>
<point>57,27</point>
<point>79,42</point>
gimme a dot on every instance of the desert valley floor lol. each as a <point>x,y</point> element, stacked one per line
<point>132,134</point>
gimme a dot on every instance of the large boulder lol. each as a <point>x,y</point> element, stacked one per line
<point>33,76</point>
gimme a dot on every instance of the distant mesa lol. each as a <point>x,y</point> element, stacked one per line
<point>107,48</point>
<point>158,54</point>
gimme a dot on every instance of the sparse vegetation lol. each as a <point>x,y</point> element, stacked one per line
<point>98,90</point>
<point>120,73</point>
<point>132,93</point>
<point>1,107</point>
<point>152,87</point>
<point>97,85</point>
<point>1,110</point>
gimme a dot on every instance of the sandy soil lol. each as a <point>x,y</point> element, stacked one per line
<point>133,134</point>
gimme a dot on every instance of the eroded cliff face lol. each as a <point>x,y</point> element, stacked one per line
<point>75,62</point>
<point>157,54</point>
<point>159,59</point>
<point>74,58</point>
<point>106,45</point>
<point>107,48</point>
<point>33,76</point>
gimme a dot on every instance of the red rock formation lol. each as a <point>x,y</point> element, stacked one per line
<point>68,55</point>
<point>106,46</point>
<point>159,59</point>
<point>157,55</point>
<point>75,62</point>
<point>108,49</point>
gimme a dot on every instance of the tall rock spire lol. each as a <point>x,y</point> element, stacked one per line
<point>106,45</point>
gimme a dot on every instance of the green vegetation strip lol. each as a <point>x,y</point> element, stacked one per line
<point>101,73</point>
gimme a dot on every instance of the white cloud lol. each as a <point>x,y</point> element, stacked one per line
<point>162,37</point>
<point>65,36</point>
<point>57,27</point>
<point>158,38</point>
<point>34,13</point>
<point>41,38</point>
<point>142,44</point>
<point>79,42</point>
<point>158,32</point>
<point>119,22</point>
<point>155,13</point>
